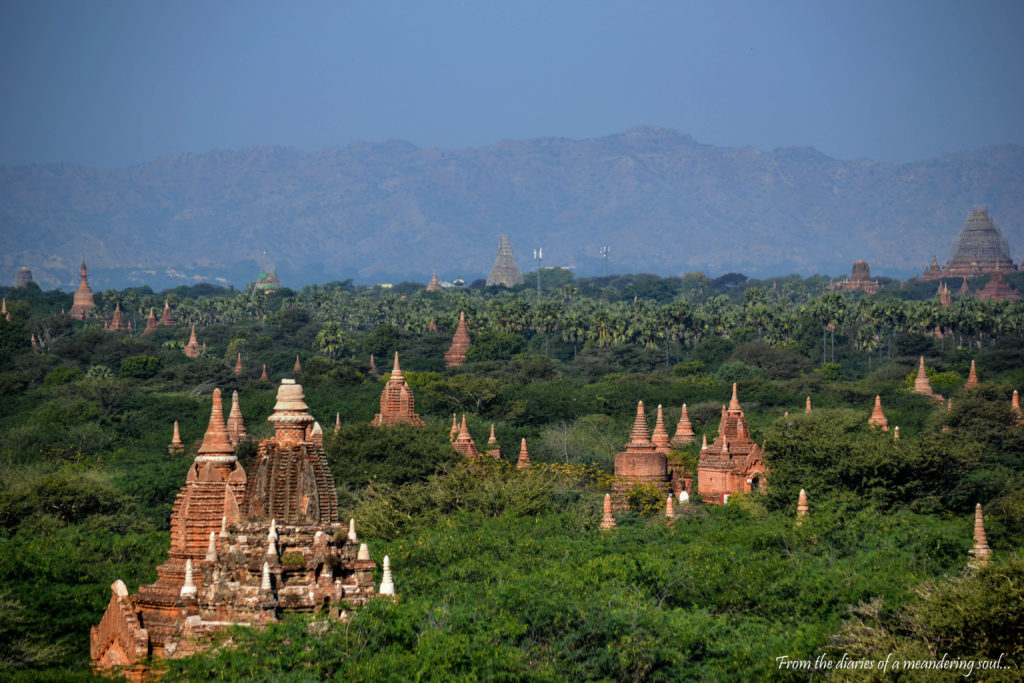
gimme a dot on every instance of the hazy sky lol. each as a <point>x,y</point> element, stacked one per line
<point>111,84</point>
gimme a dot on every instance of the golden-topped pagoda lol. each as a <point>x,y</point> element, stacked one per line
<point>396,401</point>
<point>84,300</point>
<point>733,463</point>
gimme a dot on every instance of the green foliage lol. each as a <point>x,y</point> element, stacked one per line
<point>735,371</point>
<point>496,346</point>
<point>140,367</point>
<point>362,453</point>
<point>645,498</point>
<point>831,372</point>
<point>688,368</point>
<point>62,374</point>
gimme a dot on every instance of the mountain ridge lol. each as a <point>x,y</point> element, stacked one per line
<point>661,201</point>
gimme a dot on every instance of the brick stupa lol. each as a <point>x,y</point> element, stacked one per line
<point>923,386</point>
<point>684,430</point>
<point>396,401</point>
<point>117,322</point>
<point>192,348</point>
<point>733,463</point>
<point>242,551</point>
<point>981,552</point>
<point>456,353</point>
<point>176,446</point>
<point>640,463</point>
<point>659,437</point>
<point>151,323</point>
<point>84,300</point>
<point>464,444</point>
<point>166,318</point>
<point>972,377</point>
<point>878,418</point>
<point>238,366</point>
<point>434,285</point>
<point>236,425</point>
<point>493,449</point>
<point>524,457</point>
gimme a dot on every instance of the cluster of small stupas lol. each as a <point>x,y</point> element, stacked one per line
<point>167,319</point>
<point>505,270</point>
<point>396,401</point>
<point>456,353</point>
<point>979,249</point>
<point>84,300</point>
<point>733,463</point>
<point>860,280</point>
<point>462,441</point>
<point>244,549</point>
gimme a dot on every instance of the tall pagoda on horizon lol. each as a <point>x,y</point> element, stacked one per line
<point>505,270</point>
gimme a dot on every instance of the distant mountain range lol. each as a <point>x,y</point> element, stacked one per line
<point>391,211</point>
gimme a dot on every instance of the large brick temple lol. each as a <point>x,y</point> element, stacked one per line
<point>244,548</point>
<point>979,249</point>
<point>733,462</point>
<point>396,401</point>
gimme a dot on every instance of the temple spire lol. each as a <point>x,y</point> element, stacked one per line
<point>297,368</point>
<point>264,377</point>
<point>801,504</point>
<point>265,580</point>
<point>670,512</point>
<point>878,418</point>
<point>211,549</point>
<point>151,323</point>
<point>387,582</point>
<point>684,430</point>
<point>640,437</point>
<point>238,365</point>
<point>660,437</point>
<point>236,426</point>
<point>176,445</point>
<point>807,409</point>
<point>524,457</point>
<point>352,538</point>
<point>734,402</point>
<point>607,520</point>
<point>337,422</point>
<point>981,551</point>
<point>188,589</point>
<point>216,446</point>
<point>972,377</point>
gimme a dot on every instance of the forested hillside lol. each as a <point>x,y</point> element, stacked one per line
<point>503,573</point>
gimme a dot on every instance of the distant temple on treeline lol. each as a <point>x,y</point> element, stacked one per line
<point>505,270</point>
<point>84,300</point>
<point>244,548</point>
<point>396,401</point>
<point>979,249</point>
<point>860,280</point>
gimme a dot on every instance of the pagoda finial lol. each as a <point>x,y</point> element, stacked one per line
<point>236,425</point>
<point>801,504</point>
<point>684,430</point>
<point>211,549</point>
<point>298,365</point>
<point>192,337</point>
<point>608,520</point>
<point>660,437</point>
<point>364,552</point>
<point>264,377</point>
<point>238,365</point>
<point>224,526</point>
<point>352,538</point>
<point>188,589</point>
<point>492,439</point>
<point>896,434</point>
<point>981,551</point>
<point>807,409</point>
<point>337,422</point>
<point>734,402</point>
<point>1015,405</point>
<point>387,582</point>
<point>454,432</point>
<point>670,512</point>
<point>704,445</point>
<point>524,457</point>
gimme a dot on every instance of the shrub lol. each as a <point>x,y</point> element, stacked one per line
<point>141,367</point>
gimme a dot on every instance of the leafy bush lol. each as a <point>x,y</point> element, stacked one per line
<point>140,367</point>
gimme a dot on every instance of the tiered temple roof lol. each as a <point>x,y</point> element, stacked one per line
<point>117,322</point>
<point>972,377</point>
<point>524,457</point>
<point>396,401</point>
<point>463,442</point>
<point>860,280</point>
<point>659,437</point>
<point>998,288</point>
<point>151,323</point>
<point>192,348</point>
<point>243,551</point>
<point>456,353</point>
<point>733,463</point>
<point>493,449</point>
<point>505,270</point>
<point>640,463</point>
<point>168,319</point>
<point>84,300</point>
<point>980,248</point>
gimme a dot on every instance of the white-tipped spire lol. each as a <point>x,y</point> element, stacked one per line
<point>265,582</point>
<point>224,526</point>
<point>387,583</point>
<point>188,589</point>
<point>273,530</point>
<point>271,544</point>
<point>211,549</point>
<point>352,531</point>
<point>364,552</point>
<point>670,513</point>
<point>683,496</point>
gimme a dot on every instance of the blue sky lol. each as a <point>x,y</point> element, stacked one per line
<point>111,83</point>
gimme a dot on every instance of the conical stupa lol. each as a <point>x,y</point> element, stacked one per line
<point>505,271</point>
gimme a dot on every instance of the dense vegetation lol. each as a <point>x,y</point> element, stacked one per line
<point>504,573</point>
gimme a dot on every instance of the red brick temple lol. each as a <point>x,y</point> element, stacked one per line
<point>243,550</point>
<point>117,322</point>
<point>151,323</point>
<point>192,348</point>
<point>733,462</point>
<point>168,319</point>
<point>860,280</point>
<point>456,353</point>
<point>998,288</point>
<point>396,401</point>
